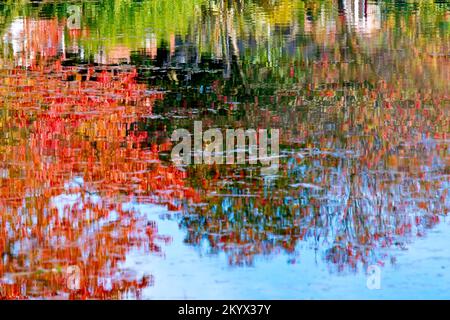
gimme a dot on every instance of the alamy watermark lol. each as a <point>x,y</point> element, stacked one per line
<point>73,278</point>
<point>239,146</point>
<point>74,19</point>
<point>373,281</point>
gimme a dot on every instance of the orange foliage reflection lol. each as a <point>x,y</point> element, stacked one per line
<point>68,155</point>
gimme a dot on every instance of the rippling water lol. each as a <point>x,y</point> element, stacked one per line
<point>358,89</point>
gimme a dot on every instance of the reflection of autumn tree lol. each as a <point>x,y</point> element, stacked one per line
<point>348,206</point>
<point>372,136</point>
<point>69,157</point>
<point>42,244</point>
<point>374,142</point>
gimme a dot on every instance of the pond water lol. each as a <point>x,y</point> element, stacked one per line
<point>91,92</point>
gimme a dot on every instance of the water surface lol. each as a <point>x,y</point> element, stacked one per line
<point>358,89</point>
